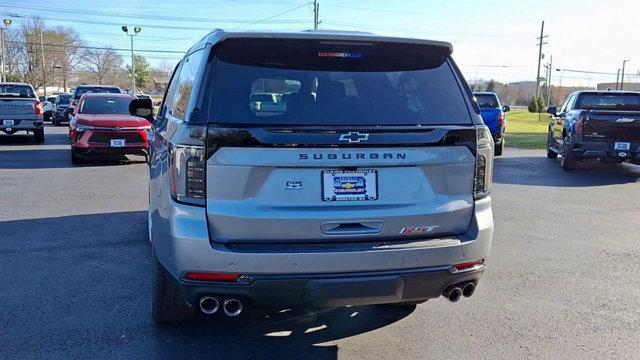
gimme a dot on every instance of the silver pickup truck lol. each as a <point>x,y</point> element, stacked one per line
<point>20,110</point>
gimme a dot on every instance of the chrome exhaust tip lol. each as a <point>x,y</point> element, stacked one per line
<point>468,289</point>
<point>232,307</point>
<point>453,294</point>
<point>209,305</point>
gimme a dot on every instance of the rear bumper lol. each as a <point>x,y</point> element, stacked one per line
<point>22,125</point>
<point>384,273</point>
<point>605,151</point>
<point>327,290</point>
<point>96,151</point>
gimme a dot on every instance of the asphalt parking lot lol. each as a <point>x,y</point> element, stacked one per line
<point>562,278</point>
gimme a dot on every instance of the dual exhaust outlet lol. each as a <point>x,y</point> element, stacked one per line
<point>456,292</point>
<point>209,305</point>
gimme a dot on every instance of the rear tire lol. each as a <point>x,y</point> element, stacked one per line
<point>39,136</point>
<point>568,162</point>
<point>498,150</point>
<point>75,158</point>
<point>550,153</point>
<point>168,304</point>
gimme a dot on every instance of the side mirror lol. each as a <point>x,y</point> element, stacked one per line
<point>142,108</point>
<point>553,110</point>
<point>71,111</point>
<point>506,108</point>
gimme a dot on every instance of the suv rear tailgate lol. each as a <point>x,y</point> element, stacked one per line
<point>276,194</point>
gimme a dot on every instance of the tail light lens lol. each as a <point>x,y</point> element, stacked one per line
<point>501,120</point>
<point>484,163</point>
<point>37,106</point>
<point>187,164</point>
<point>580,123</point>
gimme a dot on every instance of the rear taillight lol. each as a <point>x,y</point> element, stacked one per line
<point>580,123</point>
<point>187,164</point>
<point>500,120</point>
<point>37,106</point>
<point>484,163</point>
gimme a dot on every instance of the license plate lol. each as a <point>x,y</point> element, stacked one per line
<point>8,122</point>
<point>117,143</point>
<point>622,146</point>
<point>344,185</point>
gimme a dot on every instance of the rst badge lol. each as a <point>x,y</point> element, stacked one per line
<point>418,229</point>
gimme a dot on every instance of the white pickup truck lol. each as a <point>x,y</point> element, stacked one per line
<point>20,110</point>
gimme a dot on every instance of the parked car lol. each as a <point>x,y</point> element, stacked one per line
<point>595,126</point>
<point>323,204</point>
<point>20,110</point>
<point>82,89</point>
<point>47,107</point>
<point>104,127</point>
<point>61,109</point>
<point>493,116</point>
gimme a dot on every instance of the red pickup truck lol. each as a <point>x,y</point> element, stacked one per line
<point>103,127</point>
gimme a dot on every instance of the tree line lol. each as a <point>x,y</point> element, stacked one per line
<point>59,57</point>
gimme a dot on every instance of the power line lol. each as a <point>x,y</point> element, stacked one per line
<point>93,22</point>
<point>278,14</point>
<point>99,47</point>
<point>146,17</point>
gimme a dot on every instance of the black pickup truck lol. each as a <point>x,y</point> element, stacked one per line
<point>596,125</point>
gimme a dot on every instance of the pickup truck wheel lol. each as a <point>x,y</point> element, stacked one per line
<point>498,150</point>
<point>39,136</point>
<point>168,304</point>
<point>567,161</point>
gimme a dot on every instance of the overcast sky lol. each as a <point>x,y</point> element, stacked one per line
<point>586,35</point>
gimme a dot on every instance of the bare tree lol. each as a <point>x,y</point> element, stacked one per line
<point>103,64</point>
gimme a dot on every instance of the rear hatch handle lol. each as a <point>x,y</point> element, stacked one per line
<point>352,227</point>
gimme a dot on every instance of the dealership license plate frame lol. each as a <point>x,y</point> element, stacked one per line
<point>368,191</point>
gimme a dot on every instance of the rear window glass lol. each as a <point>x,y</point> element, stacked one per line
<point>18,91</point>
<point>609,102</point>
<point>316,83</point>
<point>98,89</point>
<point>64,99</point>
<point>105,105</point>
<point>486,101</point>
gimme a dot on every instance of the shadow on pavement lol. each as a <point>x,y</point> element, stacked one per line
<point>54,159</point>
<point>80,286</point>
<point>540,171</point>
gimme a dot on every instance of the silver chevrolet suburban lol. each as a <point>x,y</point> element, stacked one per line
<point>20,110</point>
<point>369,183</point>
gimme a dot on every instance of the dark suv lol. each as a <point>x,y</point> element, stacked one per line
<point>82,89</point>
<point>362,179</point>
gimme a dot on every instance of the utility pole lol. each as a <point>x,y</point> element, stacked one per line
<point>622,77</point>
<point>316,14</point>
<point>540,43</point>
<point>6,23</point>
<point>618,79</point>
<point>44,70</point>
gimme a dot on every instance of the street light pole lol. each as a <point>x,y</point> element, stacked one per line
<point>136,30</point>
<point>618,79</point>
<point>622,77</point>
<point>6,23</point>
